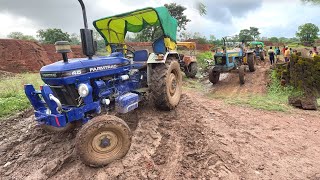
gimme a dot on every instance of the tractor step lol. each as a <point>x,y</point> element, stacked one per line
<point>142,90</point>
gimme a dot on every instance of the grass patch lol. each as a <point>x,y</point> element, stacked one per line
<point>264,102</point>
<point>12,96</point>
<point>276,98</point>
<point>192,84</point>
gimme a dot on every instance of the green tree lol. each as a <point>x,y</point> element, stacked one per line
<point>202,8</point>
<point>50,36</point>
<point>101,46</point>
<point>245,35</point>
<point>20,35</point>
<point>177,11</point>
<point>184,36</point>
<point>234,38</point>
<point>212,39</point>
<point>308,33</point>
<point>311,1</point>
<point>75,39</point>
<point>283,39</point>
<point>274,39</point>
<point>200,38</point>
<point>151,33</point>
<point>254,32</point>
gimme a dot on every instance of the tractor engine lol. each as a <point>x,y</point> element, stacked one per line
<point>80,87</point>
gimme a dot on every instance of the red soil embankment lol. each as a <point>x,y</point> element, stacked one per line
<point>28,56</point>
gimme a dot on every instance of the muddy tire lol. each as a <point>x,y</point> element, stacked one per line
<point>192,70</point>
<point>242,73</point>
<point>102,140</point>
<point>166,84</point>
<point>214,76</point>
<point>251,62</point>
<point>262,56</point>
<point>51,129</point>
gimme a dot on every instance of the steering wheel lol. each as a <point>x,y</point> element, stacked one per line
<point>127,55</point>
<point>129,49</point>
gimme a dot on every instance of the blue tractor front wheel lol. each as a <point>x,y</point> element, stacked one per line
<point>102,140</point>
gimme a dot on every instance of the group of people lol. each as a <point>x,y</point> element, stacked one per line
<point>274,55</point>
<point>313,52</point>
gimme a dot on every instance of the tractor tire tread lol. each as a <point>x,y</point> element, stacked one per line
<point>159,85</point>
<point>93,126</point>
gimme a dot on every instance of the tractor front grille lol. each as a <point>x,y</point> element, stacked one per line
<point>66,94</point>
<point>220,60</point>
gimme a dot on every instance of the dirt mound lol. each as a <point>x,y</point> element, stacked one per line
<point>54,57</point>
<point>27,56</point>
<point>20,56</point>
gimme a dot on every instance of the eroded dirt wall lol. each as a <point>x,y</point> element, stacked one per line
<point>28,56</point>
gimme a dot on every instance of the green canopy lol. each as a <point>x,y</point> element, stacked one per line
<point>114,29</point>
<point>254,43</point>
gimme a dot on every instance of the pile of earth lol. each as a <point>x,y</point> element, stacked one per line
<point>28,56</point>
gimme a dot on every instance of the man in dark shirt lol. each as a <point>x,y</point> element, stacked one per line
<point>271,55</point>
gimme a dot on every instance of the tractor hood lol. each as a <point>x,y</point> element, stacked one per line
<point>83,68</point>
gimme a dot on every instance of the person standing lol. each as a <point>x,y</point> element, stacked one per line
<point>271,55</point>
<point>283,50</point>
<point>315,50</point>
<point>287,55</point>
<point>310,54</point>
<point>278,54</point>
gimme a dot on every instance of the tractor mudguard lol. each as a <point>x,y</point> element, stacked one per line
<point>189,59</point>
<point>158,59</point>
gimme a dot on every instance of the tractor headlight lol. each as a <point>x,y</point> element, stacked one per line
<point>83,90</point>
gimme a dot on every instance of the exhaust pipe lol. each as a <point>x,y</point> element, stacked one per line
<point>88,47</point>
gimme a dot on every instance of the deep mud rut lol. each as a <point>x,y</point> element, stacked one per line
<point>202,139</point>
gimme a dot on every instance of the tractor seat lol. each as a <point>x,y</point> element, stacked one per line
<point>141,55</point>
<point>159,47</point>
<point>140,59</point>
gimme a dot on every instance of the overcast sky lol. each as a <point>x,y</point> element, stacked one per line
<point>224,17</point>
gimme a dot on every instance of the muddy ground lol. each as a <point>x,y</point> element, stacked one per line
<point>202,139</point>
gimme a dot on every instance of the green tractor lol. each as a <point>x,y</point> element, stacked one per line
<point>258,49</point>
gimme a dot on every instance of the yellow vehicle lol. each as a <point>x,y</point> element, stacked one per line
<point>188,62</point>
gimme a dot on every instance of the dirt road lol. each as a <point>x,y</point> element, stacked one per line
<point>201,139</point>
<point>229,85</point>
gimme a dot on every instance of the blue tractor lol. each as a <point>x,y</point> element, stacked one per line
<point>82,90</point>
<point>228,60</point>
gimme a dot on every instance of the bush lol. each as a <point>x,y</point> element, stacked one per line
<point>202,60</point>
<point>305,74</point>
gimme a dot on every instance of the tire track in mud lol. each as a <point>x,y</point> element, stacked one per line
<point>165,145</point>
<point>255,83</point>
